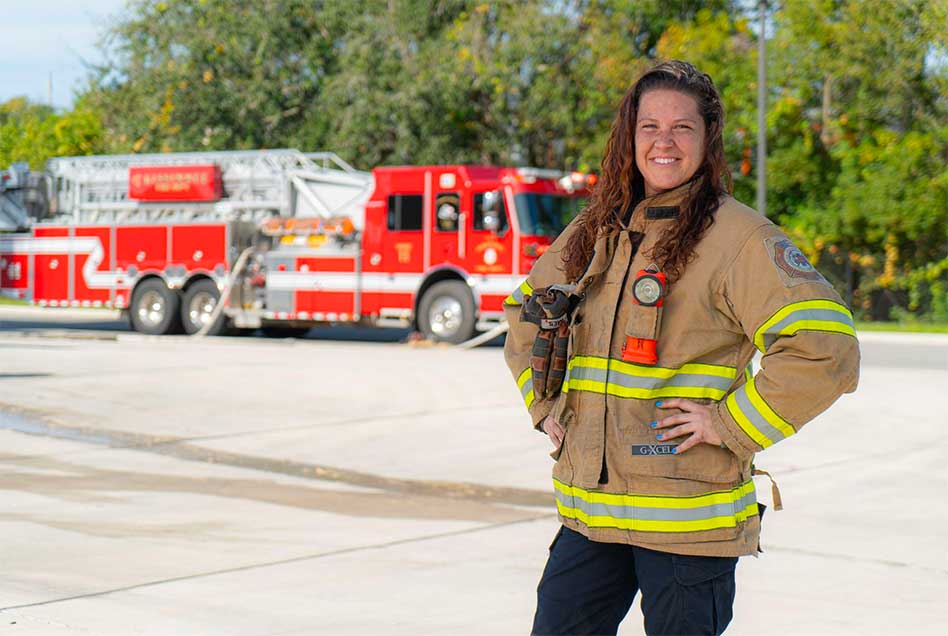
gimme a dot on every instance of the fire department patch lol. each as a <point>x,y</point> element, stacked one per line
<point>793,266</point>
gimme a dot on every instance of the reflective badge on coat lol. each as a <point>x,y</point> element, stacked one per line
<point>792,265</point>
<point>653,450</point>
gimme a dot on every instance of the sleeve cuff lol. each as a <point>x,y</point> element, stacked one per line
<point>539,410</point>
<point>729,433</point>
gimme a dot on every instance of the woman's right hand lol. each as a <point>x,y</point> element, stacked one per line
<point>552,428</point>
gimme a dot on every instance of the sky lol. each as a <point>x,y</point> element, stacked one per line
<point>39,37</point>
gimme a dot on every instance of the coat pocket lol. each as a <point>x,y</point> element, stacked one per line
<point>564,417</point>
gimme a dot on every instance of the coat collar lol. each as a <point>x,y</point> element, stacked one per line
<point>659,208</point>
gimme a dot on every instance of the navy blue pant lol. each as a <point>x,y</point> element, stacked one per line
<point>588,587</point>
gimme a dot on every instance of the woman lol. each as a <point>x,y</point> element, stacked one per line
<point>659,416</point>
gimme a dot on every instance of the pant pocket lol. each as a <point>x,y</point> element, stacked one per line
<point>706,592</point>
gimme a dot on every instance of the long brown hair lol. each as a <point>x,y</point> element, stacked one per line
<point>621,186</point>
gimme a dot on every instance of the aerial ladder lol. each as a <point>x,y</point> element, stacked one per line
<point>256,185</point>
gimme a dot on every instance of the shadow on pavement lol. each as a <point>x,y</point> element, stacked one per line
<point>340,333</point>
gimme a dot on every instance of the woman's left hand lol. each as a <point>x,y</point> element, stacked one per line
<point>695,420</point>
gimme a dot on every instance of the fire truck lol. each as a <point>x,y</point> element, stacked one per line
<point>289,239</point>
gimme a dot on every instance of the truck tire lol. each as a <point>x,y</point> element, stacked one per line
<point>446,312</point>
<point>154,308</point>
<point>199,301</point>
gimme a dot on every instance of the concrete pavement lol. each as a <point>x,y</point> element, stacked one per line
<point>247,486</point>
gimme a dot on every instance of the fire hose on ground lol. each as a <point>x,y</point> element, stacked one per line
<point>219,306</point>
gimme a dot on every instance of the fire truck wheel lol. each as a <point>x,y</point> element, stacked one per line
<point>199,301</point>
<point>154,308</point>
<point>446,312</point>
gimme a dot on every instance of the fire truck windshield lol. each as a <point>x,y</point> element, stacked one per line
<point>546,214</point>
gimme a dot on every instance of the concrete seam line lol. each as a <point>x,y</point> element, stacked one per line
<point>307,557</point>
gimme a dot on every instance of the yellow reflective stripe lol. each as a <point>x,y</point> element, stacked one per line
<point>749,429</point>
<point>651,525</point>
<point>525,384</point>
<point>626,380</point>
<point>811,315</point>
<point>656,501</point>
<point>516,298</point>
<point>748,371</point>
<point>621,366</point>
<point>755,417</point>
<point>651,513</point>
<point>768,413</point>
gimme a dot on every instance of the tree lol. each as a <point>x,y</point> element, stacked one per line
<point>214,74</point>
<point>33,133</point>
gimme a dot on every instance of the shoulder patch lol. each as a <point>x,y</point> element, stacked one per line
<point>791,264</point>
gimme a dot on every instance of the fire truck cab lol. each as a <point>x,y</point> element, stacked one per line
<point>290,240</point>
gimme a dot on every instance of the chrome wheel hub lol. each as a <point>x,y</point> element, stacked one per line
<point>445,316</point>
<point>200,308</point>
<point>151,309</point>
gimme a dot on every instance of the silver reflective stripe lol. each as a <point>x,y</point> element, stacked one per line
<point>755,416</point>
<point>577,372</point>
<point>643,513</point>
<point>824,315</point>
<point>527,388</point>
<point>517,297</point>
<point>618,378</point>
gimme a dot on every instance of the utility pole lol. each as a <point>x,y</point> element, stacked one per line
<point>762,109</point>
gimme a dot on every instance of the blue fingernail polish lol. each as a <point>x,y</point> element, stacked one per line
<point>674,451</point>
<point>658,404</point>
<point>653,424</point>
<point>659,436</point>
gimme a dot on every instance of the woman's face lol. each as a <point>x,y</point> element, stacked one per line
<point>669,139</point>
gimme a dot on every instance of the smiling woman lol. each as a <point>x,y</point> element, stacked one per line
<point>669,140</point>
<point>660,292</point>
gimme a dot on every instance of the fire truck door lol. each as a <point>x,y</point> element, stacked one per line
<point>446,227</point>
<point>490,240</point>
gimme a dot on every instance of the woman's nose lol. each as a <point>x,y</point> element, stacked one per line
<point>664,138</point>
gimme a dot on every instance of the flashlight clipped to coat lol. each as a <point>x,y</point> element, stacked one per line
<point>648,292</point>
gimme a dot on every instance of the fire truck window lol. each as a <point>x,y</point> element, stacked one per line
<point>490,213</point>
<point>447,211</point>
<point>404,212</point>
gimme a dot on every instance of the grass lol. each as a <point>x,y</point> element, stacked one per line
<point>903,327</point>
<point>10,301</point>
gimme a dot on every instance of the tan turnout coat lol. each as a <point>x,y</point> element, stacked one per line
<point>748,289</point>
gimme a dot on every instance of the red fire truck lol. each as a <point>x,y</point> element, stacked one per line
<point>294,239</point>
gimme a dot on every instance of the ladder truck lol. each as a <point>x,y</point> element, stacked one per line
<point>289,239</point>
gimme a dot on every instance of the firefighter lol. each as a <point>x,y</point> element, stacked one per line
<point>632,341</point>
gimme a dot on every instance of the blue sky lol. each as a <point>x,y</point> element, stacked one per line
<point>39,37</point>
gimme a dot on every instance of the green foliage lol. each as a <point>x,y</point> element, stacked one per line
<point>856,122</point>
<point>33,133</point>
<point>215,74</point>
<point>888,214</point>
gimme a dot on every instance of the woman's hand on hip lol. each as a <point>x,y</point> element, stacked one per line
<point>696,421</point>
<point>552,428</point>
